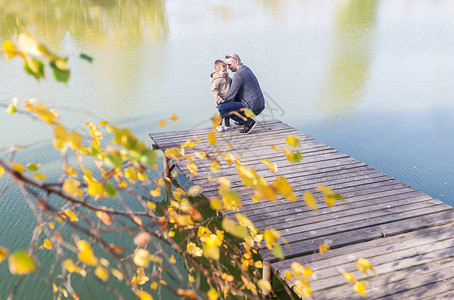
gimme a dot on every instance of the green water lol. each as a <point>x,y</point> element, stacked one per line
<point>371,78</point>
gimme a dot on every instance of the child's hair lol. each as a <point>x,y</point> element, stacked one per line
<point>219,63</point>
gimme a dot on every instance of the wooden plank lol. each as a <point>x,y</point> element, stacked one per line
<point>352,194</point>
<point>408,274</point>
<point>282,163</point>
<point>298,181</point>
<point>362,234</point>
<point>206,130</point>
<point>330,276</point>
<point>352,252</point>
<point>354,179</point>
<point>366,210</point>
<point>299,233</point>
<point>232,137</point>
<point>429,251</point>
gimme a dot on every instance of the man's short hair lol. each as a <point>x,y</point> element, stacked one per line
<point>219,63</point>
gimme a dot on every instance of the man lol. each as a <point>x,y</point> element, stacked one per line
<point>244,92</point>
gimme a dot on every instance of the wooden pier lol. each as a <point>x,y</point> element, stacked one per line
<point>407,236</point>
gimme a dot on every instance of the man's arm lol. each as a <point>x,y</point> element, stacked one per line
<point>237,83</point>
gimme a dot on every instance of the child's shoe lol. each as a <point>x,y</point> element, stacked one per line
<point>229,127</point>
<point>220,128</point>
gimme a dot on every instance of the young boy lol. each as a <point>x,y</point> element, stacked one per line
<point>220,85</point>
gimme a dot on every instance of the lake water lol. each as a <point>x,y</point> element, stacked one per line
<point>374,79</point>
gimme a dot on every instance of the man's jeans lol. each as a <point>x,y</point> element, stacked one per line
<point>225,108</point>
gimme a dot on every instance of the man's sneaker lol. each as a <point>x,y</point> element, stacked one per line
<point>220,128</point>
<point>229,127</point>
<point>249,126</point>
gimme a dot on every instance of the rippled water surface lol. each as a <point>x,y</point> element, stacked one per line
<point>374,79</point>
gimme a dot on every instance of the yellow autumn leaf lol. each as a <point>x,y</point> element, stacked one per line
<point>104,217</point>
<point>233,228</point>
<point>2,171</point>
<point>151,205</point>
<point>39,176</point>
<point>200,154</point>
<point>264,286</point>
<point>47,244</point>
<point>154,285</point>
<point>160,181</point>
<point>310,200</point>
<point>275,147</point>
<point>95,188</point>
<point>215,204</point>
<point>156,192</point>
<point>297,269</point>
<point>351,278</point>
<point>211,246</point>
<point>216,120</point>
<point>323,248</point>
<point>288,275</point>
<point>194,190</point>
<point>329,195</point>
<point>131,173</point>
<point>117,274</point>
<point>293,141</point>
<point>72,216</point>
<point>70,171</point>
<point>69,265</point>
<point>172,259</point>
<point>212,294</point>
<point>188,144</point>
<point>143,295</point>
<point>162,123</point>
<point>141,277</point>
<point>363,264</point>
<point>285,189</point>
<point>71,187</point>
<point>3,253</point>
<point>141,258</point>
<point>211,138</point>
<point>307,272</point>
<point>174,174</point>
<point>86,254</point>
<point>214,166</point>
<point>10,49</point>
<point>20,263</point>
<point>102,273</point>
<point>271,236</point>
<point>360,288</point>
<point>258,264</point>
<point>17,166</point>
<point>174,117</point>
<point>192,168</point>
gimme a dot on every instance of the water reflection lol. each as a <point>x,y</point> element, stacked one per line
<point>350,58</point>
<point>86,21</point>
